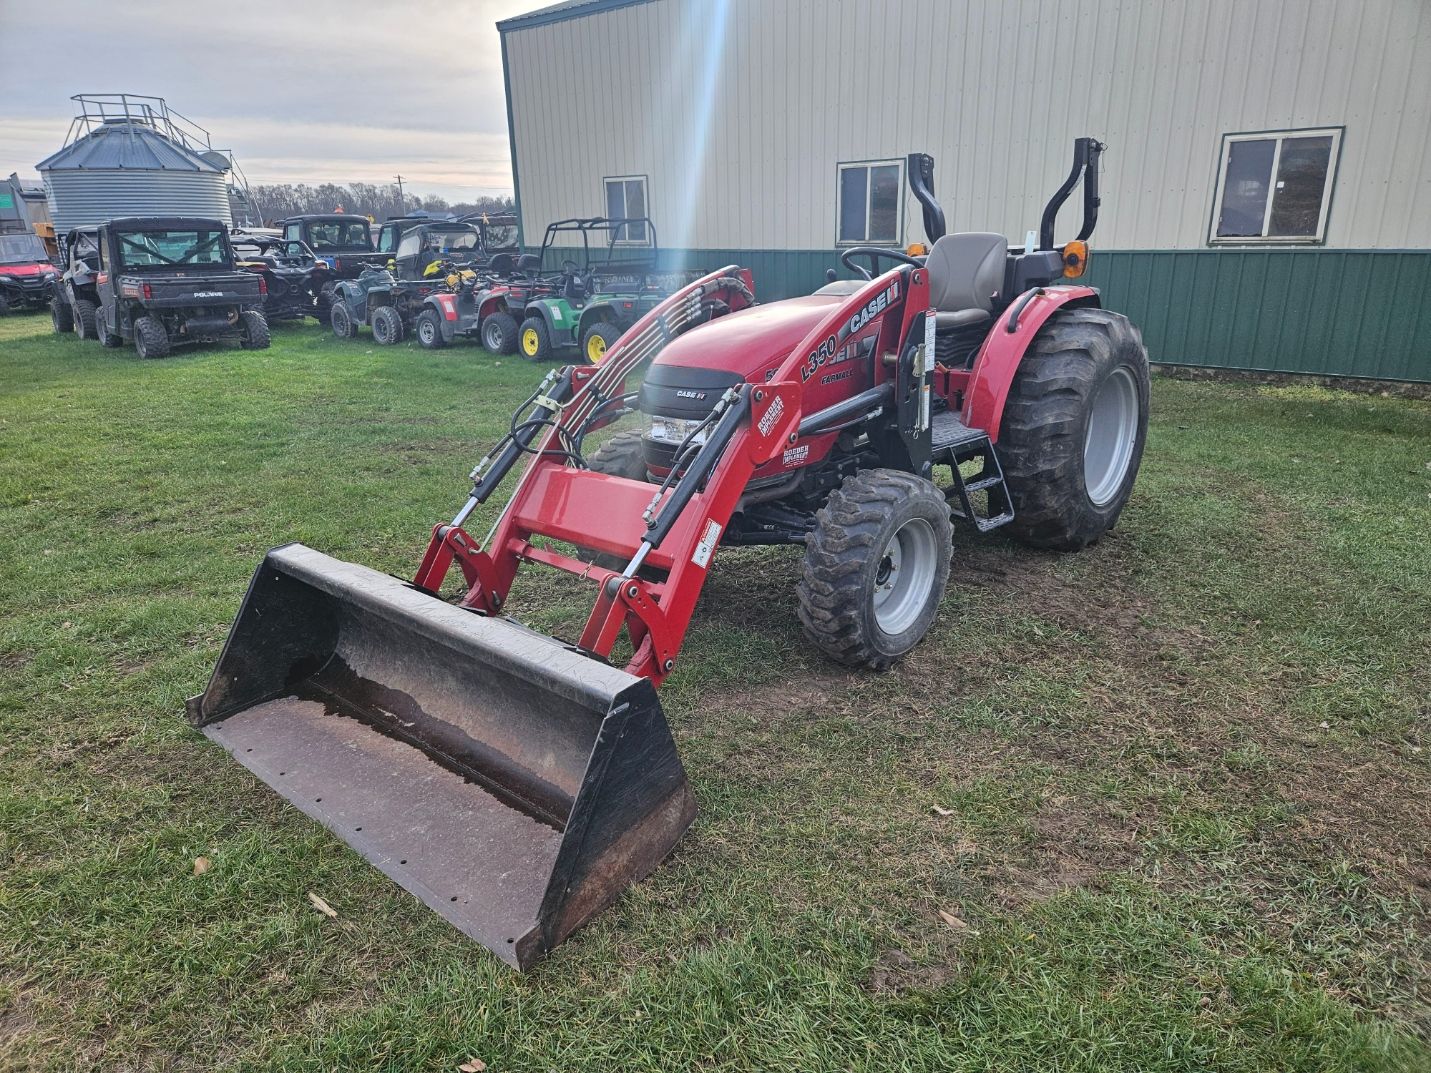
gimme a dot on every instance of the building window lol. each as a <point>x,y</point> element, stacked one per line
<point>869,202</point>
<point>1275,187</point>
<point>626,198</point>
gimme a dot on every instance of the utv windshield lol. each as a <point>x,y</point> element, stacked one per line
<point>21,249</point>
<point>500,236</point>
<point>327,235</point>
<point>166,249</point>
<point>450,241</point>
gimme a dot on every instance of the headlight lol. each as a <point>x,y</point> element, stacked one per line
<point>674,430</point>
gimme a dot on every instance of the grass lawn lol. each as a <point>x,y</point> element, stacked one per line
<point>1171,796</point>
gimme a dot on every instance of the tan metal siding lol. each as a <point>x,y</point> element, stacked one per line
<point>995,91</point>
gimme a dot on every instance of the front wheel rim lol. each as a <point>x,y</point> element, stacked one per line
<point>426,332</point>
<point>904,576</point>
<point>595,349</point>
<point>1110,437</point>
<point>530,342</point>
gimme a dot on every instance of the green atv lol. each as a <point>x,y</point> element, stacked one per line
<point>590,305</point>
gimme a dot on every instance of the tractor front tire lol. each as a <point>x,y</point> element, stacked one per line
<point>341,321</point>
<point>253,330</point>
<point>1073,428</point>
<point>62,316</point>
<point>499,333</point>
<point>875,567</point>
<point>534,340</point>
<point>429,330</point>
<point>84,319</point>
<point>387,326</point>
<point>151,340</point>
<point>597,340</point>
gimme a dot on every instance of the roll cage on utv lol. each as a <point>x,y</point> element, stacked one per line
<point>158,281</point>
<point>594,301</point>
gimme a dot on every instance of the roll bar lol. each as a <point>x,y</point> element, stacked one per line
<point>921,183</point>
<point>1086,152</point>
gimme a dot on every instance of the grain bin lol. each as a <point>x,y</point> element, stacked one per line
<point>133,156</point>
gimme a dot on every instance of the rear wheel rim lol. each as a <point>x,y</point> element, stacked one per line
<point>595,349</point>
<point>1110,437</point>
<point>530,342</point>
<point>425,331</point>
<point>492,338</point>
<point>905,576</point>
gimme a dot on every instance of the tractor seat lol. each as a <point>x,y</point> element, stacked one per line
<point>966,272</point>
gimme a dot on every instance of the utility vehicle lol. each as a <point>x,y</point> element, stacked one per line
<point>159,281</point>
<point>27,276</point>
<point>594,302</point>
<point>390,298</point>
<point>343,241</point>
<point>516,783</point>
<point>293,275</point>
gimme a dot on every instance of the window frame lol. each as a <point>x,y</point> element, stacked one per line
<point>606,180</point>
<point>1279,136</point>
<point>899,209</point>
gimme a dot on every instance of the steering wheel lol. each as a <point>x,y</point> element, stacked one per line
<point>875,253</point>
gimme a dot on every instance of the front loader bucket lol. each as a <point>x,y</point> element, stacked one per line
<point>513,784</point>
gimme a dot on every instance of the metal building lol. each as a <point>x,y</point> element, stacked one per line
<point>1266,188</point>
<point>130,156</point>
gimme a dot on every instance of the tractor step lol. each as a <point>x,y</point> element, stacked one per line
<point>954,443</point>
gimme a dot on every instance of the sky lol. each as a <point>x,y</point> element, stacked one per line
<point>305,91</point>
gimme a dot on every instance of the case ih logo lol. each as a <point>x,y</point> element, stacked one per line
<point>829,352</point>
<point>686,393</point>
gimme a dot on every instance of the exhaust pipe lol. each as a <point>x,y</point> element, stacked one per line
<point>514,784</point>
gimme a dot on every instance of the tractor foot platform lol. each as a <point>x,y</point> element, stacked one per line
<point>955,443</point>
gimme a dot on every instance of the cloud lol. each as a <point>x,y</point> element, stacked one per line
<point>304,91</point>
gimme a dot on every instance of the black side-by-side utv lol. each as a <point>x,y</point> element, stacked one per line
<point>158,282</point>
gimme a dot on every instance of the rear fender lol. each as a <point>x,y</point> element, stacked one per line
<point>998,360</point>
<point>446,306</point>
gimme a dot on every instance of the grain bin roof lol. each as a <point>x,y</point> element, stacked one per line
<point>128,146</point>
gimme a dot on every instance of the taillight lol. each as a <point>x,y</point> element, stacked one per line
<point>262,286</point>
<point>148,292</point>
<point>628,305</point>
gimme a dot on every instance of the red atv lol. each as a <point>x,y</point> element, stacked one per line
<point>975,383</point>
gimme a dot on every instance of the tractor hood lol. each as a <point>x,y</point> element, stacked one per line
<point>692,372</point>
<point>750,343</point>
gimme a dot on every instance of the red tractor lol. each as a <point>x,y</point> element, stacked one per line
<point>517,783</point>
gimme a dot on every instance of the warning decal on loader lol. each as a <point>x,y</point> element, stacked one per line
<point>706,548</point>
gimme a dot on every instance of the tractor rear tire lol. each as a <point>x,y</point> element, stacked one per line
<point>597,340</point>
<point>62,316</point>
<point>1073,428</point>
<point>875,568</point>
<point>429,330</point>
<point>387,326</point>
<point>151,340</point>
<point>253,330</point>
<point>84,319</point>
<point>341,320</point>
<point>534,339</point>
<point>499,333</point>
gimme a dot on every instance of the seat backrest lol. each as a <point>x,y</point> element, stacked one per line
<point>966,271</point>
